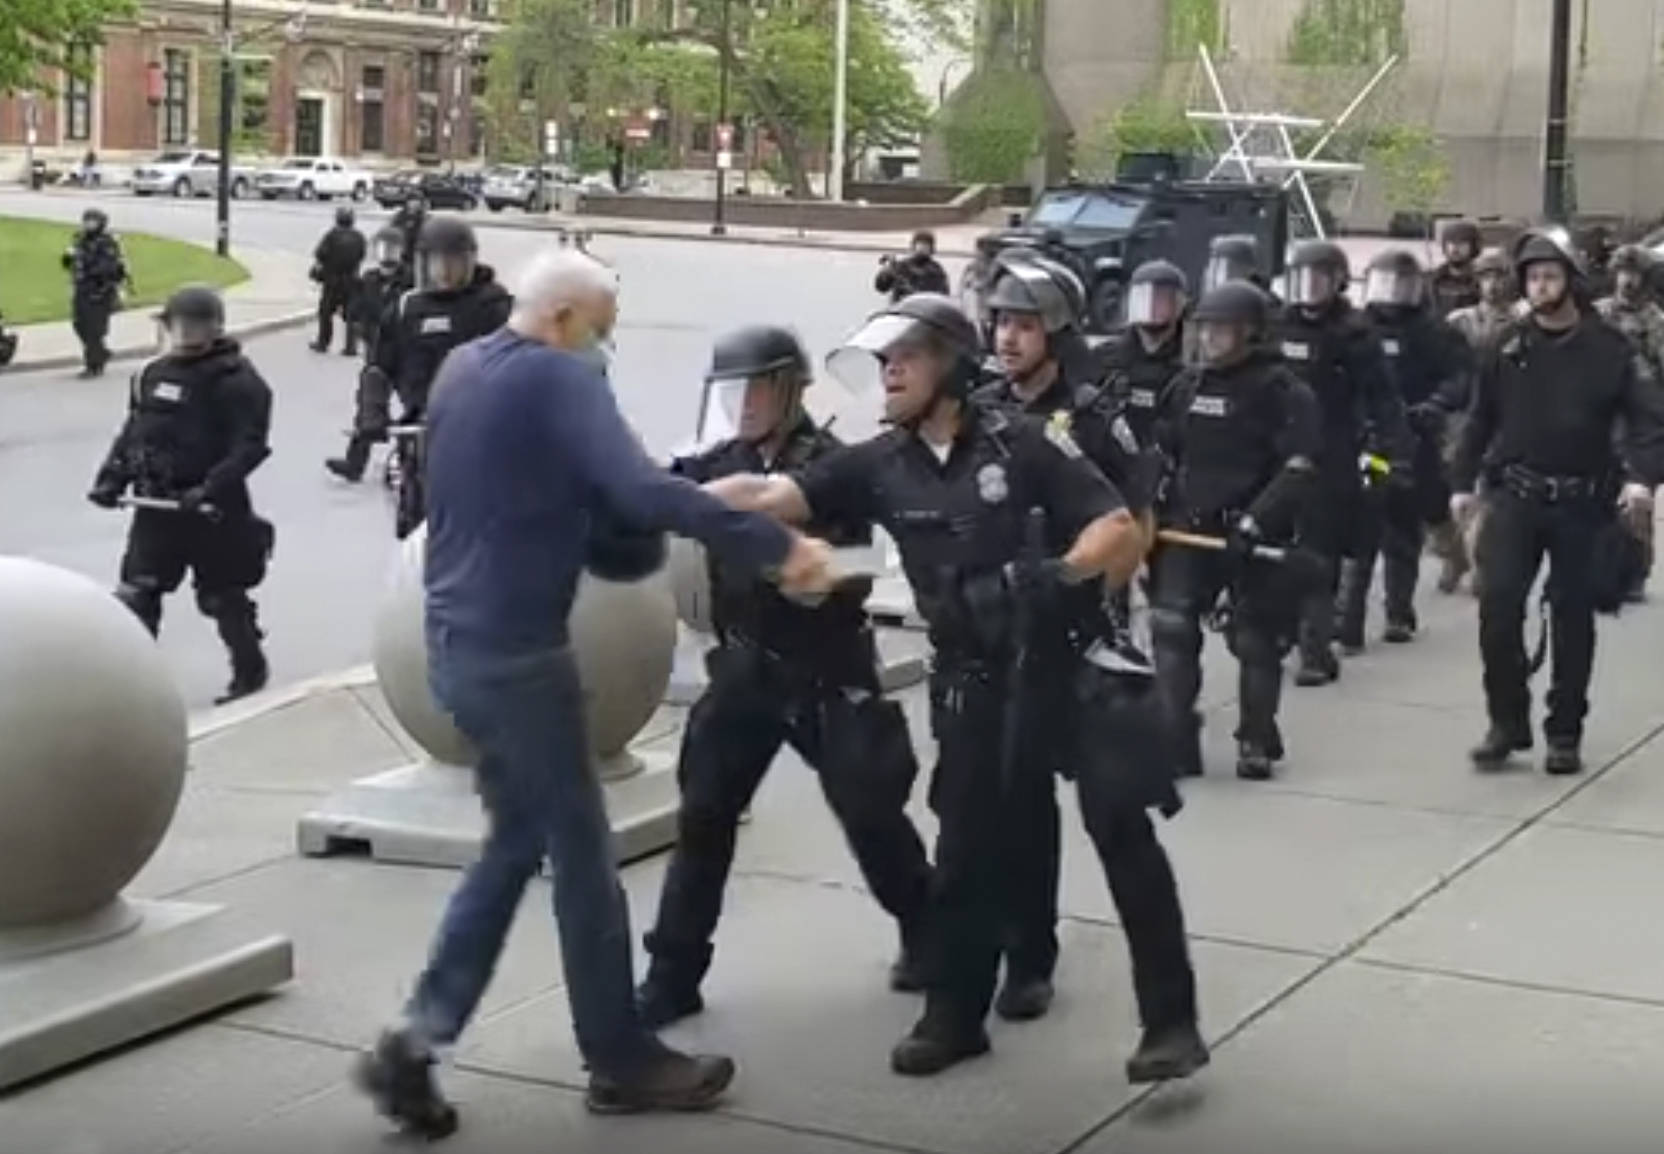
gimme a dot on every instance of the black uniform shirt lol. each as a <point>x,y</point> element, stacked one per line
<point>1428,358</point>
<point>427,325</point>
<point>97,265</point>
<point>1453,288</point>
<point>1140,376</point>
<point>1551,402</point>
<point>967,514</point>
<point>746,606</point>
<point>339,254</point>
<point>1339,357</point>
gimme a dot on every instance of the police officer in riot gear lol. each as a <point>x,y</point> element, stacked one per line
<point>782,672</point>
<point>98,269</point>
<point>1455,283</point>
<point>1429,361</point>
<point>1001,521</point>
<point>1036,307</point>
<point>380,288</point>
<point>456,300</point>
<point>335,264</point>
<point>198,423</point>
<point>1551,394</point>
<point>1633,311</point>
<point>410,220</point>
<point>1595,248</point>
<point>1240,433</point>
<point>1332,348</point>
<point>1233,257</point>
<point>1482,322</point>
<point>1143,360</point>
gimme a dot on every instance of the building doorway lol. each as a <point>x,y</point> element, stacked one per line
<point>309,126</point>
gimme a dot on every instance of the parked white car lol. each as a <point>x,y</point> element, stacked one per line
<point>313,178</point>
<point>189,172</point>
<point>516,185</point>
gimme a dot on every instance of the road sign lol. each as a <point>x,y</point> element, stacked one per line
<point>725,159</point>
<point>725,138</point>
<point>638,132</point>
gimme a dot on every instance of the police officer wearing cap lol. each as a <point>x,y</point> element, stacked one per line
<point>1240,433</point>
<point>335,264</point>
<point>98,269</point>
<point>1332,348</point>
<point>1036,306</point>
<point>1550,398</point>
<point>1430,363</point>
<point>198,423</point>
<point>456,299</point>
<point>1633,311</point>
<point>1002,523</point>
<point>1142,361</point>
<point>782,673</point>
<point>1454,284</point>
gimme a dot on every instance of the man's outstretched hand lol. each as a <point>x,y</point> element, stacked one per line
<point>808,567</point>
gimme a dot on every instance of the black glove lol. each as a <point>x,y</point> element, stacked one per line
<point>1243,538</point>
<point>192,500</point>
<point>1040,579</point>
<point>105,496</point>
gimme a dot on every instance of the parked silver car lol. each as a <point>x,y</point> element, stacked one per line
<point>189,172</point>
<point>515,185</point>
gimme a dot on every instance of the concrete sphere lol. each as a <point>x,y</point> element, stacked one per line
<point>690,581</point>
<point>93,745</point>
<point>623,636</point>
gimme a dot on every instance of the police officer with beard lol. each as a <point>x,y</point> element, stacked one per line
<point>1001,521</point>
<point>198,424</point>
<point>1429,362</point>
<point>1143,360</point>
<point>1036,305</point>
<point>335,264</point>
<point>1549,400</point>
<point>1240,433</point>
<point>1332,348</point>
<point>98,269</point>
<point>1632,310</point>
<point>1455,283</point>
<point>782,673</point>
<point>456,300</point>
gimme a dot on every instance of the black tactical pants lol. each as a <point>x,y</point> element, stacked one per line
<point>336,296</point>
<point>372,414</point>
<point>1517,533</point>
<point>972,894</point>
<point>1335,528</point>
<point>1188,583</point>
<point>91,320</point>
<point>858,742</point>
<point>1394,529</point>
<point>225,559</point>
<point>1033,866</point>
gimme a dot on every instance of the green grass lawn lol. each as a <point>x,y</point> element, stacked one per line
<point>35,287</point>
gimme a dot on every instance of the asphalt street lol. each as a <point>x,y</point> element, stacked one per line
<point>334,540</point>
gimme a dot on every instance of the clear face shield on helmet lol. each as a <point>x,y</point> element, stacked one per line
<point>445,271</point>
<point>752,408</point>
<point>1310,286</point>
<point>1223,270</point>
<point>887,374</point>
<point>387,250</point>
<point>1391,288</point>
<point>1153,305</point>
<point>178,334</point>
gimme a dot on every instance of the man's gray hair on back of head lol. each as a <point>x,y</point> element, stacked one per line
<point>562,276</point>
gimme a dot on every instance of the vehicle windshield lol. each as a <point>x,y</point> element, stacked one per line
<point>504,172</point>
<point>297,164</point>
<point>1086,210</point>
<point>173,158</point>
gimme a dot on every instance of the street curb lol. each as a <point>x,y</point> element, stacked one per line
<point>648,232</point>
<point>133,351</point>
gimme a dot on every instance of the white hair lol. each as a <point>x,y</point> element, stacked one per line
<point>561,276</point>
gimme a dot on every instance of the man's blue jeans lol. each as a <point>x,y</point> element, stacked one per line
<point>524,713</point>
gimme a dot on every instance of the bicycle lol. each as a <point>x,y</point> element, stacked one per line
<point>404,477</point>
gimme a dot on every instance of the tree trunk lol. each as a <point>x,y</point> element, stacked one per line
<point>786,138</point>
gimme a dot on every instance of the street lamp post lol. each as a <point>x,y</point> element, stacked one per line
<point>228,95</point>
<point>719,222</point>
<point>1555,163</point>
<point>840,98</point>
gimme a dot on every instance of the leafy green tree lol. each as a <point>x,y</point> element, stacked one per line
<point>1413,165</point>
<point>36,36</point>
<point>1142,125</point>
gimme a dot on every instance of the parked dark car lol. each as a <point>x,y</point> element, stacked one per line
<point>441,189</point>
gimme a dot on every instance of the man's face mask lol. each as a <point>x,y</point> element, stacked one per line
<point>1153,305</point>
<point>1392,290</point>
<point>1311,287</point>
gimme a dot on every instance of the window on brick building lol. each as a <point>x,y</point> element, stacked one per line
<point>176,96</point>
<point>701,141</point>
<point>427,72</point>
<point>78,94</point>
<point>427,129</point>
<point>372,131</point>
<point>479,75</point>
<point>482,9</point>
<point>623,13</point>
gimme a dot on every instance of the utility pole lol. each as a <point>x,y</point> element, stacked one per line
<point>1555,161</point>
<point>228,96</point>
<point>840,98</point>
<point>719,223</point>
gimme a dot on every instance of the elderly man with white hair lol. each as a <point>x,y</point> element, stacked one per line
<point>529,462</point>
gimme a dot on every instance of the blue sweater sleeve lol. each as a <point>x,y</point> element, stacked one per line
<point>591,434</point>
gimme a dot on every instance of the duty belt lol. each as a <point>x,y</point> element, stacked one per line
<point>1534,486</point>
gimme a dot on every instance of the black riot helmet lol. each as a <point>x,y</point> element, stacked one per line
<point>1551,246</point>
<point>928,321</point>
<point>193,318</point>
<point>446,252</point>
<point>1231,320</point>
<point>1318,273</point>
<point>1234,257</point>
<point>1463,232</point>
<point>94,221</point>
<point>387,247</point>
<point>1156,294</point>
<point>344,217</point>
<point>1027,282</point>
<point>1632,268</point>
<point>1394,280</point>
<point>766,353</point>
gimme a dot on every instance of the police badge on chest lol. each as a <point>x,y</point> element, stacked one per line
<point>991,484</point>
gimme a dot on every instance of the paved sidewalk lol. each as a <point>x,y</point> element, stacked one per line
<point>277,294</point>
<point>1397,955</point>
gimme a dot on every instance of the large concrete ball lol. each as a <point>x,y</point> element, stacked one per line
<point>690,580</point>
<point>623,635</point>
<point>93,745</point>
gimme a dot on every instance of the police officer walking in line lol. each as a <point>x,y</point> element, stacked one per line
<point>98,269</point>
<point>198,423</point>
<point>1332,348</point>
<point>1429,361</point>
<point>456,300</point>
<point>335,264</point>
<point>782,672</point>
<point>1234,257</point>
<point>1632,310</point>
<point>1002,522</point>
<point>1455,283</point>
<point>409,220</point>
<point>380,288</point>
<point>1143,360</point>
<point>1240,433</point>
<point>1547,405</point>
<point>1036,304</point>
<point>1483,321</point>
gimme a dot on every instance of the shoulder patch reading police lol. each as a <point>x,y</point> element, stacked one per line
<point>1059,434</point>
<point>991,484</point>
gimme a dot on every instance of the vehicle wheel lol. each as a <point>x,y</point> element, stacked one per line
<point>494,205</point>
<point>1105,313</point>
<point>268,196</point>
<point>359,192</point>
<point>182,187</point>
<point>239,189</point>
<point>307,192</point>
<point>141,192</point>
<point>536,204</point>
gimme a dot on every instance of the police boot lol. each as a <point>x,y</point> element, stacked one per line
<point>240,630</point>
<point>1187,747</point>
<point>1167,1054</point>
<point>936,1043</point>
<point>910,973</point>
<point>1351,607</point>
<point>1317,667</point>
<point>1499,743</point>
<point>1024,997</point>
<point>397,1074</point>
<point>1563,759</point>
<point>1401,627</point>
<point>1253,761</point>
<point>350,467</point>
